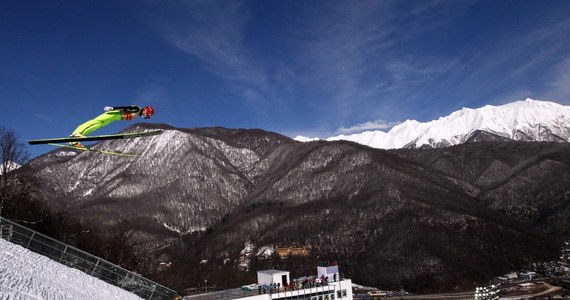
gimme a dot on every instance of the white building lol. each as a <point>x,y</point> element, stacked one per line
<point>330,273</point>
<point>287,288</point>
<point>339,290</point>
<point>268,277</point>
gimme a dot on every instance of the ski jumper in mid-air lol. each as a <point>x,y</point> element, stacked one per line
<point>111,114</point>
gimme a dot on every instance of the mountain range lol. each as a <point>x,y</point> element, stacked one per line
<point>418,218</point>
<point>528,120</point>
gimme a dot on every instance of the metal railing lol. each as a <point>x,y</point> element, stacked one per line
<point>305,292</point>
<point>83,261</point>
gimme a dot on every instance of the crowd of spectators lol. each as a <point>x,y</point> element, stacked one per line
<point>300,283</point>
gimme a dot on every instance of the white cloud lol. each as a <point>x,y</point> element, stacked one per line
<point>367,126</point>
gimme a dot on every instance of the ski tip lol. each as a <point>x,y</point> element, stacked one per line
<point>33,142</point>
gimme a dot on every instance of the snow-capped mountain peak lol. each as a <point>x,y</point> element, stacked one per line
<point>528,120</point>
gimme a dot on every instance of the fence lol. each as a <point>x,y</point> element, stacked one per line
<point>75,258</point>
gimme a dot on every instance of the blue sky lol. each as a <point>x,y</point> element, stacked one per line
<point>312,68</point>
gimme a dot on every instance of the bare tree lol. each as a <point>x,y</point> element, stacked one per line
<point>13,154</point>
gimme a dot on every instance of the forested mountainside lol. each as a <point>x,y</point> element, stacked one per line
<point>423,219</point>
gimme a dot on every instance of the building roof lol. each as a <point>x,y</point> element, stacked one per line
<point>272,272</point>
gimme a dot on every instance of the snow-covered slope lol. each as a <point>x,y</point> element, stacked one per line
<point>27,275</point>
<point>11,166</point>
<point>528,120</point>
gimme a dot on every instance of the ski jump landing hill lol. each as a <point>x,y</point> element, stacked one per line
<point>63,256</point>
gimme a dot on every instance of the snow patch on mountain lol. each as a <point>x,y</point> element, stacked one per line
<point>529,120</point>
<point>301,138</point>
<point>265,252</point>
<point>179,231</point>
<point>245,255</point>
<point>11,166</point>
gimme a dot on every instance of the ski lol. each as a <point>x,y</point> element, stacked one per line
<point>96,137</point>
<point>93,150</point>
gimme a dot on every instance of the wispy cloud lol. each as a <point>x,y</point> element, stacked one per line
<point>369,60</point>
<point>540,47</point>
<point>43,117</point>
<point>367,126</point>
<point>560,89</point>
<point>20,76</point>
<point>345,53</point>
<point>363,58</point>
<point>153,93</point>
<point>346,40</point>
<point>213,31</point>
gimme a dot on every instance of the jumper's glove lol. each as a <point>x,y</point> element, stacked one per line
<point>108,108</point>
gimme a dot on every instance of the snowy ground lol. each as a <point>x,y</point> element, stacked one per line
<point>27,275</point>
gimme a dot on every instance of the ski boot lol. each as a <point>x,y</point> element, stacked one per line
<point>76,144</point>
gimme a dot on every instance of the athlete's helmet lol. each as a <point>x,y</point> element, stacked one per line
<point>147,112</point>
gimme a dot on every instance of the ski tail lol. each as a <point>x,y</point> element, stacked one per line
<point>97,137</point>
